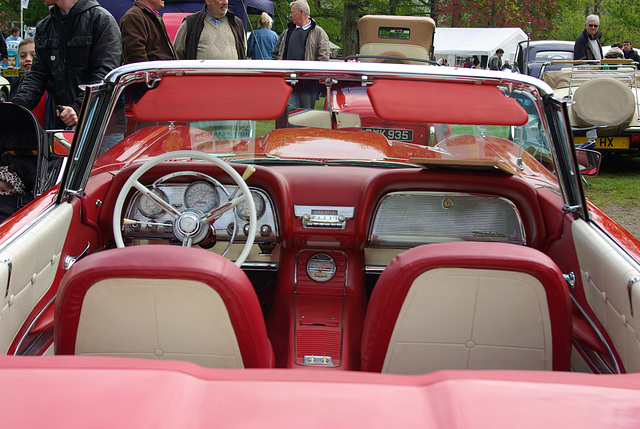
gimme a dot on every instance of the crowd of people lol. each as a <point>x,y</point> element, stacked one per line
<point>100,44</point>
<point>589,47</point>
<point>212,33</point>
<point>58,63</point>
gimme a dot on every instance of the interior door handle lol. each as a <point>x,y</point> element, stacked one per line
<point>9,268</point>
<point>70,260</point>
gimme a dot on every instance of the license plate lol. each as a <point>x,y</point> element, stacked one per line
<point>606,142</point>
<point>393,133</point>
<point>10,72</point>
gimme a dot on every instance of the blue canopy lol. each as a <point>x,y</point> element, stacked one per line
<point>241,8</point>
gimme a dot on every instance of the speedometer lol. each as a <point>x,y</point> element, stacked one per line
<point>202,196</point>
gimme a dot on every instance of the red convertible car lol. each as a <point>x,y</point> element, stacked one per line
<point>206,268</point>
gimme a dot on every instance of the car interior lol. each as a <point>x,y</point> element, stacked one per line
<point>353,252</point>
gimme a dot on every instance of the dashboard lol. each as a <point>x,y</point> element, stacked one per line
<point>379,212</point>
<point>147,220</point>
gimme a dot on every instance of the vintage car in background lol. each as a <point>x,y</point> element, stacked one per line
<point>389,39</point>
<point>531,55</point>
<point>210,269</point>
<point>605,104</point>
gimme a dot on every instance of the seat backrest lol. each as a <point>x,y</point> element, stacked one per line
<point>468,305</point>
<point>161,302</point>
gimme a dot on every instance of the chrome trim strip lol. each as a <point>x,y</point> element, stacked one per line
<point>342,210</point>
<point>270,266</point>
<point>15,237</point>
<point>373,269</point>
<point>295,70</point>
<point>594,359</point>
<point>614,245</point>
<point>26,333</point>
<point>598,333</point>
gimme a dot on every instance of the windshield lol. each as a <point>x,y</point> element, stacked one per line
<point>383,123</point>
<point>554,55</point>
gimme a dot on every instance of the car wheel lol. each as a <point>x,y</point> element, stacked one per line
<point>3,96</point>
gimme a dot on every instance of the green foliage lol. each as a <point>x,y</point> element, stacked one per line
<point>558,19</point>
<point>499,13</point>
<point>618,19</point>
<point>10,14</point>
<point>339,17</point>
<point>35,12</point>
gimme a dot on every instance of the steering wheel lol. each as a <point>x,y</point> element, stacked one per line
<point>189,225</point>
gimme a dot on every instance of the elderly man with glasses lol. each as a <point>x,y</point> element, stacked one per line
<point>587,46</point>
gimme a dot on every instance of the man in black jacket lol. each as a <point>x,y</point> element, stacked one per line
<point>587,46</point>
<point>629,52</point>
<point>77,44</point>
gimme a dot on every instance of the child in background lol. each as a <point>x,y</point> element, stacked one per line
<point>26,51</point>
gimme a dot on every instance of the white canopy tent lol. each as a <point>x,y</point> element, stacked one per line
<point>450,43</point>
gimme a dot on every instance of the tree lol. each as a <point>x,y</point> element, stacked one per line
<point>10,13</point>
<point>340,18</point>
<point>553,19</point>
<point>499,13</point>
<point>618,19</point>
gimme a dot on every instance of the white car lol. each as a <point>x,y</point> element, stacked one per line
<point>605,109</point>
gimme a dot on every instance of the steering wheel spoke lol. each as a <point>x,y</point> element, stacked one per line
<point>219,211</point>
<point>156,199</point>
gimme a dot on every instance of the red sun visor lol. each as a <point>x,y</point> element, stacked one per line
<point>196,98</point>
<point>444,103</point>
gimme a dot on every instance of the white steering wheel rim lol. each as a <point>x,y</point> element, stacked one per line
<point>119,205</point>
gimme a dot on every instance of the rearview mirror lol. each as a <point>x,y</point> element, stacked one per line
<point>588,161</point>
<point>324,119</point>
<point>60,141</point>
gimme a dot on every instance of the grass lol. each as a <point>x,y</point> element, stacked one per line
<point>263,127</point>
<point>618,183</point>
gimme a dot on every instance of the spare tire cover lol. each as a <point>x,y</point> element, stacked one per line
<point>604,101</point>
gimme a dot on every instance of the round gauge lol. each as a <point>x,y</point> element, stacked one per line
<point>258,200</point>
<point>202,196</point>
<point>148,207</point>
<point>321,267</point>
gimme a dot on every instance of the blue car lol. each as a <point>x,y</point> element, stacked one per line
<point>541,52</point>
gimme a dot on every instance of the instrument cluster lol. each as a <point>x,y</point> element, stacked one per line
<point>147,219</point>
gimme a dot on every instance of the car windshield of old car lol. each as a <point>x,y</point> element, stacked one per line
<point>553,55</point>
<point>501,124</point>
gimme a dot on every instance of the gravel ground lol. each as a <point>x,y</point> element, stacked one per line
<point>625,216</point>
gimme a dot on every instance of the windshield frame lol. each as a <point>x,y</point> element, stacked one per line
<point>100,100</point>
